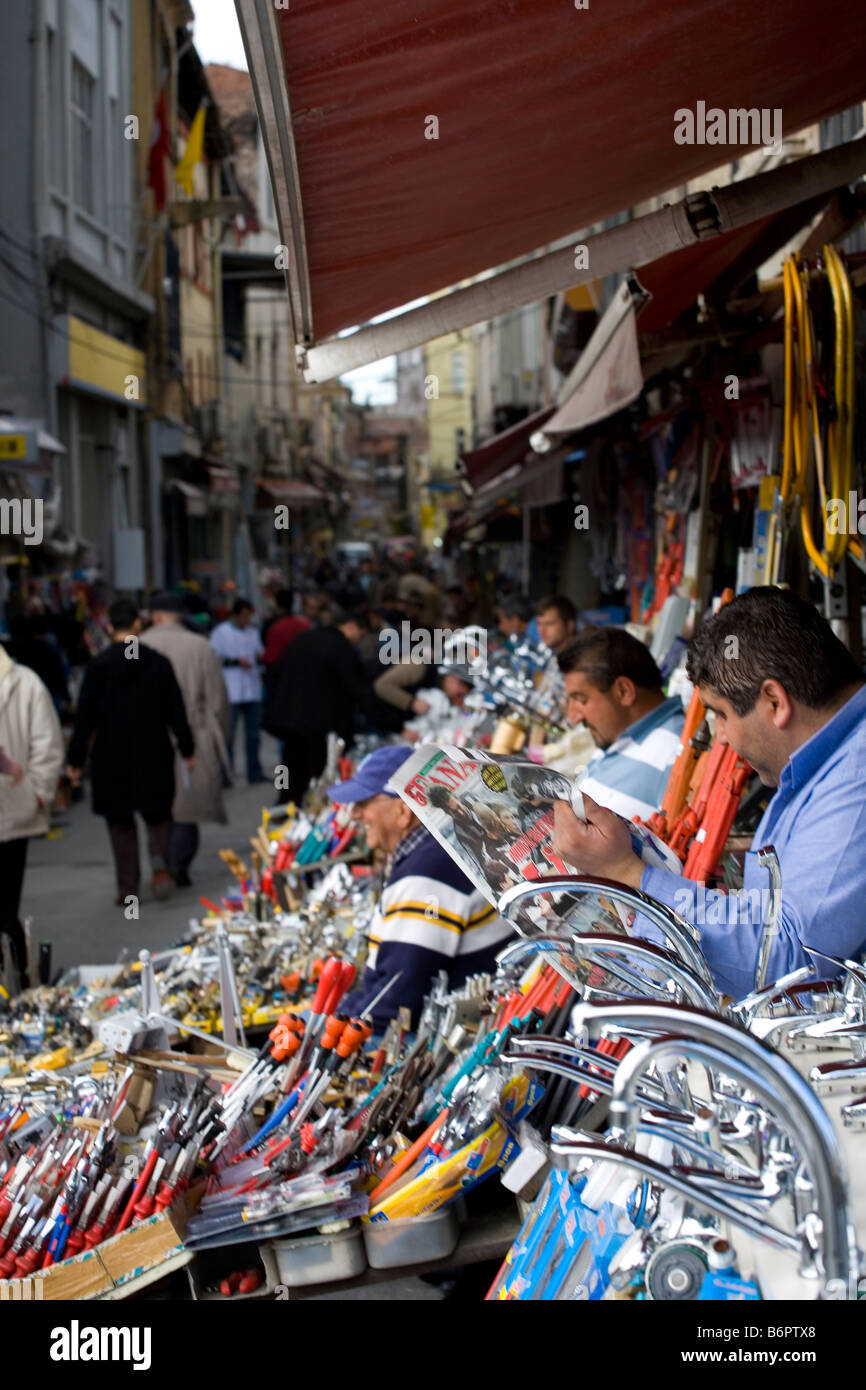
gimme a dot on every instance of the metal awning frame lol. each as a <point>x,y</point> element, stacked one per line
<point>263,46</point>
<point>698,217</point>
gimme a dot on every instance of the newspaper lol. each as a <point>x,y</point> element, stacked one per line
<point>494,816</point>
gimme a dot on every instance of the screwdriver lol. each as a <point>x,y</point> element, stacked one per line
<point>144,1205</point>
<point>29,1261</point>
<point>354,1034</point>
<point>139,1188</point>
<point>175,1178</point>
<point>103,1224</point>
<point>77,1236</point>
<point>9,1260</point>
<point>368,1012</point>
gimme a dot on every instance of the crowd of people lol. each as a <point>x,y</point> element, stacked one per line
<point>143,703</point>
<point>156,721</point>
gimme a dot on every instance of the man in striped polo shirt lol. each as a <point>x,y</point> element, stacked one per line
<point>430,916</point>
<point>614,687</point>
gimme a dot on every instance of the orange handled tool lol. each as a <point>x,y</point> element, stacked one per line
<point>291,983</point>
<point>355,1034</point>
<point>286,1023</point>
<point>408,1158</point>
<point>286,1048</point>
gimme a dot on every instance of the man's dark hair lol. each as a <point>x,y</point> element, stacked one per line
<point>241,605</point>
<point>164,602</point>
<point>517,606</point>
<point>770,634</point>
<point>440,796</point>
<point>604,653</point>
<point>564,607</point>
<point>122,614</point>
<point>339,616</point>
<point>284,598</point>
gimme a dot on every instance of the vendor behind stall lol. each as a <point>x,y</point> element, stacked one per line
<point>791,700</point>
<point>431,917</point>
<point>614,688</point>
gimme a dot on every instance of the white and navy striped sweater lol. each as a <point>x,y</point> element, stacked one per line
<point>430,918</point>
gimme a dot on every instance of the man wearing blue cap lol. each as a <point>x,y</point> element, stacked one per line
<point>430,916</point>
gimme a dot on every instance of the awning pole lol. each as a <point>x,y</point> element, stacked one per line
<point>699,217</point>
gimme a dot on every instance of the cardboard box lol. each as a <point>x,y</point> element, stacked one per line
<point>114,1264</point>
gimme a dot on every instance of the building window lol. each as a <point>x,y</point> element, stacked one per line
<point>83,101</point>
<point>119,194</point>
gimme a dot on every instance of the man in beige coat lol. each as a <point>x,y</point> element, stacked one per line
<point>199,794</point>
<point>31,756</point>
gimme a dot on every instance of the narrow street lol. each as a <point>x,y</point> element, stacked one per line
<point>69,887</point>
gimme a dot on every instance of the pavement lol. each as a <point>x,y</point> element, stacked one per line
<point>69,885</point>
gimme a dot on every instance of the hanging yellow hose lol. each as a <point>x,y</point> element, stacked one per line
<point>842,427</point>
<point>802,434</point>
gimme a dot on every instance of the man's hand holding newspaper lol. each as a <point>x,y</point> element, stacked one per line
<point>599,845</point>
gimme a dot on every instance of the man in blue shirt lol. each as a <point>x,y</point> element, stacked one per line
<point>791,700</point>
<point>614,687</point>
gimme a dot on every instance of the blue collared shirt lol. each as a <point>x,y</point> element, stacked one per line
<point>816,822</point>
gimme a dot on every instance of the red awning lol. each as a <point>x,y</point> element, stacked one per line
<point>550,118</point>
<point>503,450</point>
<point>291,490</point>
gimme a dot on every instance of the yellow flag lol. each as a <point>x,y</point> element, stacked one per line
<point>193,152</point>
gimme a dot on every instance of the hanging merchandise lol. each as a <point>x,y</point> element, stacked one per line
<point>819,414</point>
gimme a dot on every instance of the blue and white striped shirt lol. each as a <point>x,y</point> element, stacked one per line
<point>430,918</point>
<point>631,775</point>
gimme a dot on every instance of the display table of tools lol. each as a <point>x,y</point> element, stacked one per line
<point>591,1115</point>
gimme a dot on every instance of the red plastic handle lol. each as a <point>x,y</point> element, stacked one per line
<point>341,986</point>
<point>95,1235</point>
<point>164,1197</point>
<point>331,973</point>
<point>135,1196</point>
<point>74,1242</point>
<point>26,1263</point>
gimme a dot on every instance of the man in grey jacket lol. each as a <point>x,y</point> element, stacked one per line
<point>31,740</point>
<point>198,795</point>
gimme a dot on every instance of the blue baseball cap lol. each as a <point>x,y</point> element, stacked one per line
<point>371,774</point>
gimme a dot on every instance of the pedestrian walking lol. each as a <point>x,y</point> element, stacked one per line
<point>239,647</point>
<point>286,626</point>
<point>320,685</point>
<point>130,705</point>
<point>31,756</point>
<point>198,797</point>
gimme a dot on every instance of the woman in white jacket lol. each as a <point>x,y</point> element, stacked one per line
<point>31,756</point>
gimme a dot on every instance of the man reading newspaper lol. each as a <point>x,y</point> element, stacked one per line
<point>431,917</point>
<point>495,816</point>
